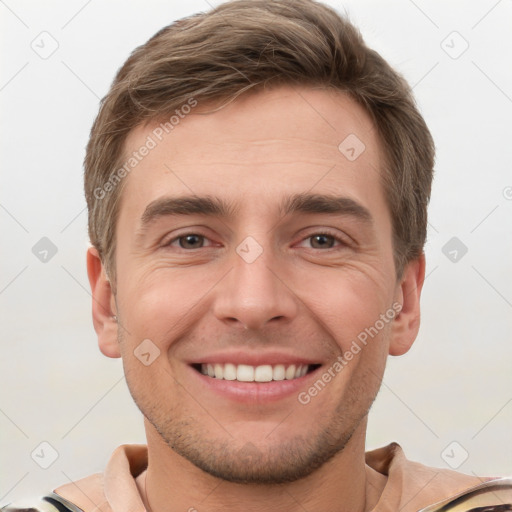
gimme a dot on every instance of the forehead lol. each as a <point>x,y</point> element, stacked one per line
<point>286,139</point>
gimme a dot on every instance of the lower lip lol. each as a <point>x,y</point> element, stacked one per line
<point>256,392</point>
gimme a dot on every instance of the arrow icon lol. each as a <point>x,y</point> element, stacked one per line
<point>45,45</point>
<point>44,250</point>
<point>351,147</point>
<point>147,352</point>
<point>454,45</point>
<point>249,249</point>
<point>454,455</point>
<point>44,455</point>
<point>454,249</point>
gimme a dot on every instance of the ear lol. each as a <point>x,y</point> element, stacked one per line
<point>407,322</point>
<point>103,305</point>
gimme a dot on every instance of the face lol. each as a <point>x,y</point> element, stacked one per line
<point>253,254</point>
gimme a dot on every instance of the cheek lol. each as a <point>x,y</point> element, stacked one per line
<point>152,386</point>
<point>162,304</point>
<point>348,304</point>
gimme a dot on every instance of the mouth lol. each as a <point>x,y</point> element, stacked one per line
<point>253,379</point>
<point>261,373</point>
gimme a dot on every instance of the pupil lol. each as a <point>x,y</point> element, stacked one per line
<point>191,240</point>
<point>322,240</point>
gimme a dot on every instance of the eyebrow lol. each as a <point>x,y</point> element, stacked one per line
<point>321,203</point>
<point>217,207</point>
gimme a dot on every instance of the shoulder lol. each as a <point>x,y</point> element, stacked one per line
<point>51,502</point>
<point>87,494</point>
<point>95,493</point>
<point>83,495</point>
<point>412,486</point>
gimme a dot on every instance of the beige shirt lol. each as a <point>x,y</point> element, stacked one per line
<point>407,486</point>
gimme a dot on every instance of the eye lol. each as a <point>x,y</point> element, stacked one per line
<point>323,241</point>
<point>188,241</point>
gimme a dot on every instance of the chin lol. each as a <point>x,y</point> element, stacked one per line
<point>269,462</point>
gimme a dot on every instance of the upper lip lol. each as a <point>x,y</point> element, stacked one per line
<point>254,358</point>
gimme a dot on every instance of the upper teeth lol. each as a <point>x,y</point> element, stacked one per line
<point>246,373</point>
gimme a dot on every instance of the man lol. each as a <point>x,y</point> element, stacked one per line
<point>257,182</point>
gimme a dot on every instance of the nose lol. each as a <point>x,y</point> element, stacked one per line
<point>254,294</point>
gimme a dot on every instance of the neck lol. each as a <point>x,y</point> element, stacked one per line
<point>171,483</point>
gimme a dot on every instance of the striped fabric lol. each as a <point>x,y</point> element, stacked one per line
<point>50,503</point>
<point>492,496</point>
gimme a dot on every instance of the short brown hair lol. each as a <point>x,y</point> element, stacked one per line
<point>244,45</point>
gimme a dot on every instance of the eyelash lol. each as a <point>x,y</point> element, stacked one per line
<point>326,232</point>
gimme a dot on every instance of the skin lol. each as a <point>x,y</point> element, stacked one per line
<point>298,297</point>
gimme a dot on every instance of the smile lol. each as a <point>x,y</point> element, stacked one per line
<point>261,373</point>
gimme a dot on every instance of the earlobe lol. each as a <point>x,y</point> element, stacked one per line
<point>103,304</point>
<point>406,323</point>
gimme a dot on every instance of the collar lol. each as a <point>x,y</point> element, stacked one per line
<point>408,486</point>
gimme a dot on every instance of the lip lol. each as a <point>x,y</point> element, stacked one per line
<point>254,359</point>
<point>254,392</point>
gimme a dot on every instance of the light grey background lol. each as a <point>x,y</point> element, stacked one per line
<point>455,385</point>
